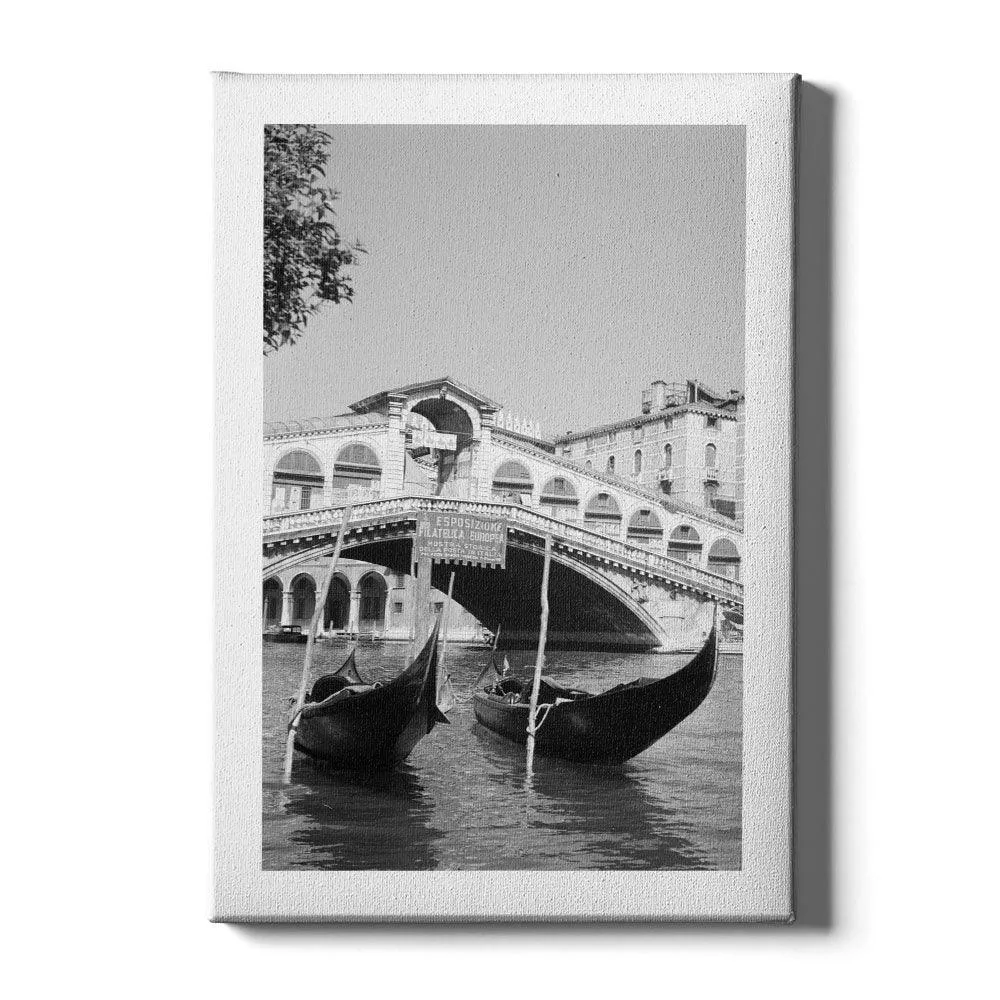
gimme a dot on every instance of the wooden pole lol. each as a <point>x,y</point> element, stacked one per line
<point>415,597</point>
<point>311,642</point>
<point>444,622</point>
<point>540,656</point>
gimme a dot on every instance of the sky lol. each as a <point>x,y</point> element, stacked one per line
<point>556,269</point>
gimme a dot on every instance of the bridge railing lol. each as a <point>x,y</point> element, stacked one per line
<point>278,525</point>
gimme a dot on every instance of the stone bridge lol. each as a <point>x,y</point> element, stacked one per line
<point>605,593</point>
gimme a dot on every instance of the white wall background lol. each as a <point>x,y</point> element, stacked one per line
<point>107,329</point>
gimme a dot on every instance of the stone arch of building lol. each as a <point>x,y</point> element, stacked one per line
<point>373,595</point>
<point>337,608</point>
<point>685,543</point>
<point>273,594</point>
<point>724,558</point>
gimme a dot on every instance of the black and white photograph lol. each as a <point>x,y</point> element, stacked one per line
<point>503,419</point>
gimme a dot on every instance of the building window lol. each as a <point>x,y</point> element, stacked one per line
<point>711,421</point>
<point>612,436</point>
<point>709,456</point>
<point>668,422</point>
<point>295,478</point>
<point>666,486</point>
<point>397,607</point>
<point>637,462</point>
<point>611,465</point>
<point>711,492</point>
<point>637,434</point>
<point>357,465</point>
<point>589,466</point>
<point>668,456</point>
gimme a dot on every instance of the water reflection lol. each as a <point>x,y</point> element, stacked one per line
<point>461,802</point>
<point>360,821</point>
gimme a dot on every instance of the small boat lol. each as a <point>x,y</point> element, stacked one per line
<point>287,633</point>
<point>606,728</point>
<point>352,724</point>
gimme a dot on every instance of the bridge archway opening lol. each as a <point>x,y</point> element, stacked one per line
<point>724,559</point>
<point>512,481</point>
<point>603,514</point>
<point>297,482</point>
<point>303,598</point>
<point>337,610</point>
<point>272,602</point>
<point>684,543</point>
<point>373,592</point>
<point>559,498</point>
<point>453,467</point>
<point>645,528</point>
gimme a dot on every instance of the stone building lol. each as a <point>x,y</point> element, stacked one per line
<point>685,443</point>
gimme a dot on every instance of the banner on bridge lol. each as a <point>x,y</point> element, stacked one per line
<point>464,538</point>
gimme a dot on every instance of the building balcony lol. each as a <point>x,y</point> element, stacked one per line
<point>712,475</point>
<point>665,473</point>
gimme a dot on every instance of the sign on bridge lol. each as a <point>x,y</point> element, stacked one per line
<point>466,538</point>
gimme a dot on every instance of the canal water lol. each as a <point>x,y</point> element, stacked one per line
<point>460,802</point>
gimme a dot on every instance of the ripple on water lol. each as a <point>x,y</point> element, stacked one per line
<point>461,801</point>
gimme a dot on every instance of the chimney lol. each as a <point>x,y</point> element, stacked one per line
<point>659,391</point>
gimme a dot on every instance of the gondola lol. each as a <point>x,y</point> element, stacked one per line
<point>606,728</point>
<point>355,725</point>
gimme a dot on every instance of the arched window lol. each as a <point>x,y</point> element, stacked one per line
<point>644,528</point>
<point>297,482</point>
<point>357,466</point>
<point>303,598</point>
<point>724,559</point>
<point>709,456</point>
<point>684,543</point>
<point>558,498</point>
<point>668,456</point>
<point>371,612</point>
<point>603,514</point>
<point>272,602</point>
<point>589,465</point>
<point>637,462</point>
<point>337,612</point>
<point>610,467</point>
<point>512,481</point>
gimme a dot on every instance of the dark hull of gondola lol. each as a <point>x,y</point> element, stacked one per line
<point>607,728</point>
<point>373,730</point>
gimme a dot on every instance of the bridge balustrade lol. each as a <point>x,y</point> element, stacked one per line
<point>519,517</point>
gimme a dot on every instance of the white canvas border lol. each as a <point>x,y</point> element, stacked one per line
<point>766,105</point>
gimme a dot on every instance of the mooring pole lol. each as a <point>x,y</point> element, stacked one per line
<point>540,656</point>
<point>311,642</point>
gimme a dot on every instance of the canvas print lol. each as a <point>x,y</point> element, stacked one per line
<point>503,408</point>
<point>516,472</point>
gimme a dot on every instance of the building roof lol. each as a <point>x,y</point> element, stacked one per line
<point>316,425</point>
<point>380,399</point>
